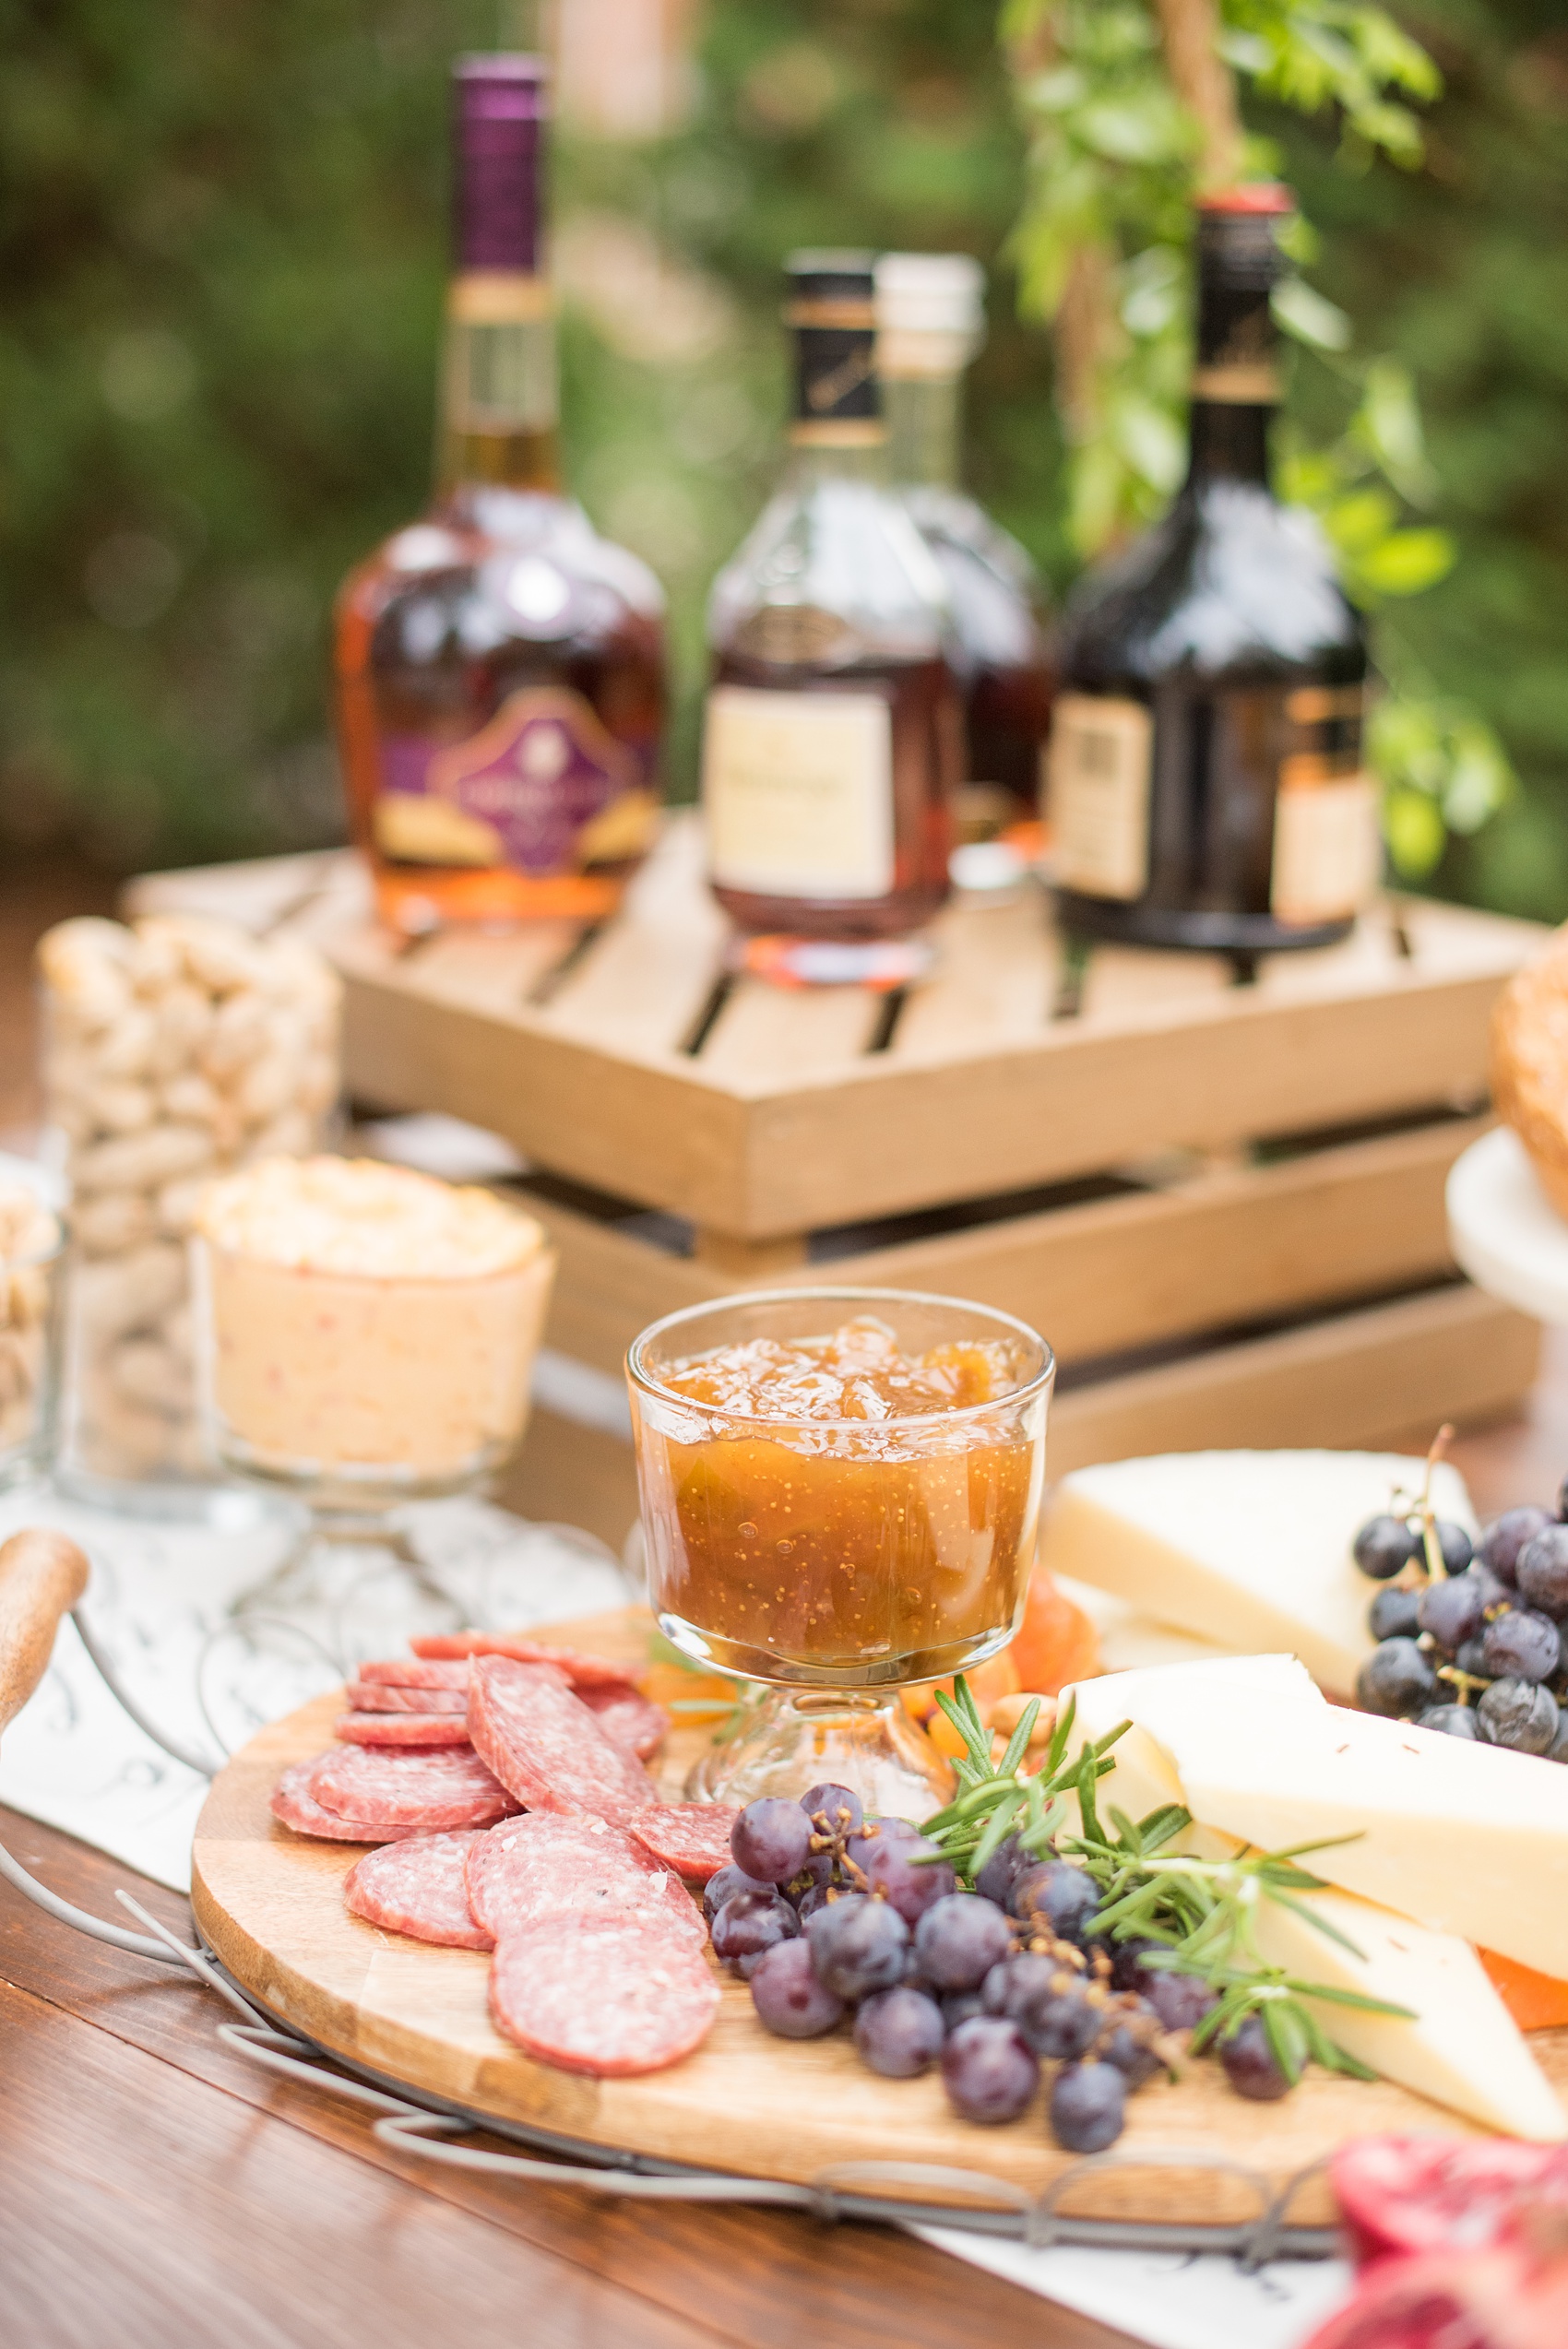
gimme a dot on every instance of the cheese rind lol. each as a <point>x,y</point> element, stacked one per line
<point>1461,2047</point>
<point>1249,1550</point>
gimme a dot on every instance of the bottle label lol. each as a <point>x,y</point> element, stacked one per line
<point>797,792</point>
<point>543,788</point>
<point>1098,768</point>
<point>1327,848</point>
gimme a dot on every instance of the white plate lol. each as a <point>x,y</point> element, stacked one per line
<point>1504,1231</point>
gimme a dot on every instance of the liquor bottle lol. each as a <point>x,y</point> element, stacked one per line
<point>931,320</point>
<point>832,730</point>
<point>1207,789</point>
<point>500,665</point>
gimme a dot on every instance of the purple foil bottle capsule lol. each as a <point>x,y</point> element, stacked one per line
<point>499,107</point>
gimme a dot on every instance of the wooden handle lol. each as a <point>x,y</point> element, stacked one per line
<point>42,1575</point>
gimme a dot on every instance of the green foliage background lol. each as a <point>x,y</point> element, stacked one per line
<point>222,247</point>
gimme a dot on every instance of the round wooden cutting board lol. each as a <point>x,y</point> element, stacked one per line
<point>270,1903</point>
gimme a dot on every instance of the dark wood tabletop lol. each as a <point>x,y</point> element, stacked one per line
<point>158,2191</point>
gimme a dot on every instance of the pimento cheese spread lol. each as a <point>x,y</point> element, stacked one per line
<point>364,1316</point>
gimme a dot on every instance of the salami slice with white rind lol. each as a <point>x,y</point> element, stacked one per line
<point>692,1838</point>
<point>542,1865</point>
<point>583,1671</point>
<point>402,1728</point>
<point>375,1696</point>
<point>416,1887</point>
<point>590,1994</point>
<point>631,1720</point>
<point>420,1790</point>
<point>416,1672</point>
<point>294,1803</point>
<point>547,1749</point>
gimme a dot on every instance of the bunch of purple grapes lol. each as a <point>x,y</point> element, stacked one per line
<point>1482,1650</point>
<point>828,1915</point>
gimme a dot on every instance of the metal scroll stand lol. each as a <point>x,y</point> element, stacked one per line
<point>42,1576</point>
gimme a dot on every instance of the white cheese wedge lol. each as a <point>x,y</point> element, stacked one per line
<point>1128,1640</point>
<point>1249,1550</point>
<point>1462,2049</point>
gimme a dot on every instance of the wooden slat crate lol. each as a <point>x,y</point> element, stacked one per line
<point>1222,1203</point>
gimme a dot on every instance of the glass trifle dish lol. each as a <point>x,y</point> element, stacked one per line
<point>368,1335</point>
<point>840,1496</point>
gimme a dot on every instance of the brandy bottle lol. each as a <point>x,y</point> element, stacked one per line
<point>1207,786</point>
<point>931,320</point>
<point>500,665</point>
<point>832,733</point>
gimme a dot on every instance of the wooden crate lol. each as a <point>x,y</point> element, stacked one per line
<point>1222,1203</point>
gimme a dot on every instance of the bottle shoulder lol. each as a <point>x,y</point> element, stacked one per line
<point>995,593</point>
<point>1230,581</point>
<point>840,547</point>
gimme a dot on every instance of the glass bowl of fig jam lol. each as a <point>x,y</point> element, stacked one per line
<point>840,1495</point>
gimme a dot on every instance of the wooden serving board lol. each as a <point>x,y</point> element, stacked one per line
<point>269,1902</point>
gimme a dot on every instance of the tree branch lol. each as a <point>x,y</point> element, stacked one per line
<point>1203,83</point>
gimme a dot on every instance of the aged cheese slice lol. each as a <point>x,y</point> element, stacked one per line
<point>1249,1549</point>
<point>1469,1838</point>
<point>1462,2049</point>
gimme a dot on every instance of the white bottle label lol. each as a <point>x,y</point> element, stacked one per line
<point>1327,850</point>
<point>1100,760</point>
<point>797,792</point>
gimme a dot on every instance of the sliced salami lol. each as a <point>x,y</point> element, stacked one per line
<point>692,1838</point>
<point>402,1728</point>
<point>590,1994</point>
<point>542,1865</point>
<point>416,1672</point>
<point>546,1747</point>
<point>416,1887</point>
<point>375,1696</point>
<point>294,1804</point>
<point>632,1720</point>
<point>583,1671</point>
<point>428,1791</point>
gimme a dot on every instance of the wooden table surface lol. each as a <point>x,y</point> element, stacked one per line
<point>158,2191</point>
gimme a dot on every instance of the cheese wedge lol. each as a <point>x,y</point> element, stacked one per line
<point>1249,1550</point>
<point>1130,1641</point>
<point>1462,2048</point>
<point>1467,1838</point>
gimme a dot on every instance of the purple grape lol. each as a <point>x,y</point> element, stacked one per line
<point>811,1901</point>
<point>987,2069</point>
<point>1006,1863</point>
<point>899,2032</point>
<point>1449,1720</point>
<point>1088,2107</point>
<point>959,1939</point>
<point>1129,2051</point>
<point>1055,1897</point>
<point>1397,1679</point>
<point>771,1839</point>
<point>1179,2001</point>
<point>1453,1545</point>
<point>875,1834</point>
<point>1251,2065</point>
<point>1383,1547</point>
<point>858,1945</point>
<point>840,1806</point>
<point>1050,2005</point>
<point>1522,1646</point>
<point>788,1997</point>
<point>1501,1545</point>
<point>959,2005</point>
<point>1453,1611</point>
<point>815,1875</point>
<point>906,1878</point>
<point>725,1881</point>
<point>1542,1571</point>
<point>1392,1614</point>
<point>1558,1750</point>
<point>749,1924</point>
<point>1519,1714</point>
<point>1127,1971</point>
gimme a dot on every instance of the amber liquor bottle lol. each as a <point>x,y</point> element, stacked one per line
<point>500,665</point>
<point>931,321</point>
<point>832,730</point>
<point>1206,785</point>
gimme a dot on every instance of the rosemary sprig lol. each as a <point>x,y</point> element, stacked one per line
<point>1202,1914</point>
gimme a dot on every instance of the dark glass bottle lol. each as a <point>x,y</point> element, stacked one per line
<point>931,318</point>
<point>1206,788</point>
<point>832,732</point>
<point>500,665</point>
